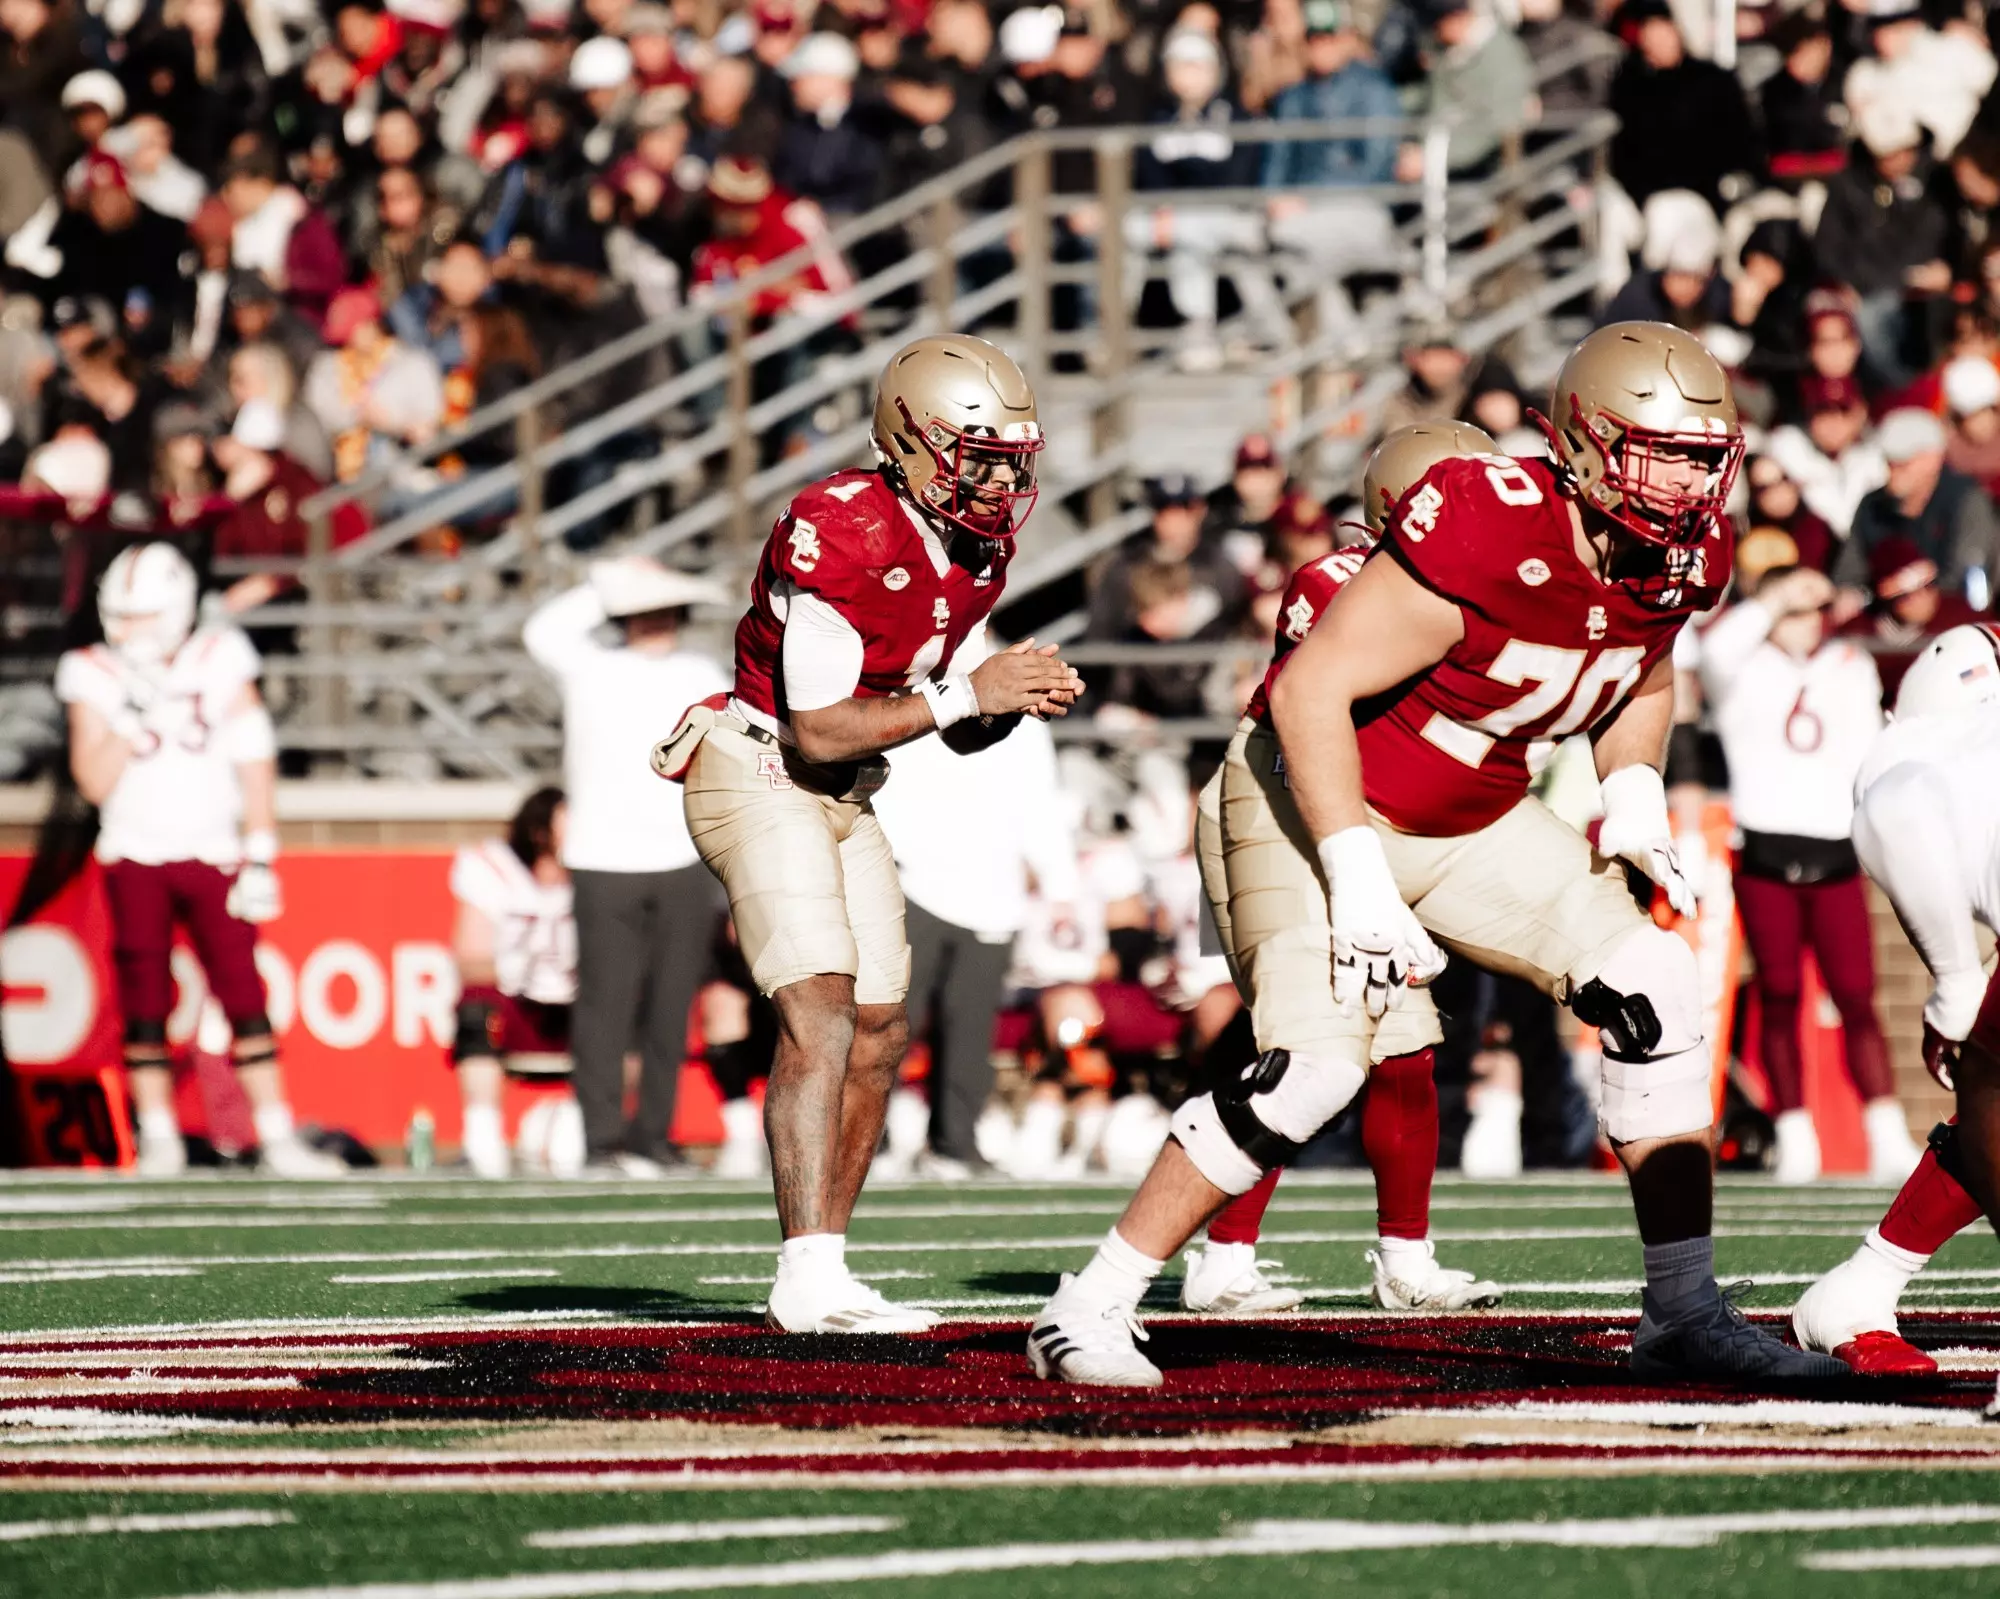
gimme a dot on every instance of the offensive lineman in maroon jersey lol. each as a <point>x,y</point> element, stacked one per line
<point>1509,602</point>
<point>1399,1110</point>
<point>866,629</point>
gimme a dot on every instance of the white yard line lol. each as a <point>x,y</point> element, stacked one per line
<point>1966,1557</point>
<point>1261,1539</point>
<point>191,1521</point>
<point>93,1274</point>
<point>635,1535</point>
<point>443,1276</point>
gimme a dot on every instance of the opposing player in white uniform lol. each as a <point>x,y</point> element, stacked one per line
<point>169,738</point>
<point>515,943</point>
<point>1927,828</point>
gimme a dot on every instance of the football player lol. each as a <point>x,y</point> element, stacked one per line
<point>514,939</point>
<point>169,738</point>
<point>1509,602</point>
<point>866,629</point>
<point>1928,831</point>
<point>1399,1109</point>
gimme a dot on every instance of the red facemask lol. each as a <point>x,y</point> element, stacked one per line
<point>983,485</point>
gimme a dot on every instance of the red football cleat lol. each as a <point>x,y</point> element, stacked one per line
<point>1883,1354</point>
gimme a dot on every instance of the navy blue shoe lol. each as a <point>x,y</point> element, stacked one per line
<point>1712,1339</point>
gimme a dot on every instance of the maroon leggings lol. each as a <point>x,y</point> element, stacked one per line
<point>146,903</point>
<point>1781,921</point>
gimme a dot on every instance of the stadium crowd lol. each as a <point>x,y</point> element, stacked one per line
<point>256,249</point>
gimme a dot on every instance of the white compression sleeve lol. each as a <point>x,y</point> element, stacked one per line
<point>822,654</point>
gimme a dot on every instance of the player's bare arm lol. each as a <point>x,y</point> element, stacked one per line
<point>98,752</point>
<point>1383,627</point>
<point>1022,679</point>
<point>1637,734</point>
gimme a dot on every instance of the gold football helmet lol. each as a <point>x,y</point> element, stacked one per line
<point>1406,455</point>
<point>957,431</point>
<point>1643,421</point>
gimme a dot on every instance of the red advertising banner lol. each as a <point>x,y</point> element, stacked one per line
<point>362,991</point>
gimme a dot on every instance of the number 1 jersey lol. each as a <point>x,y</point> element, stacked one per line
<point>1548,650</point>
<point>851,541</point>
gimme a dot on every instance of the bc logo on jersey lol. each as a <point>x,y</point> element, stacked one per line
<point>1420,517</point>
<point>941,612</point>
<point>805,545</point>
<point>1298,620</point>
<point>771,767</point>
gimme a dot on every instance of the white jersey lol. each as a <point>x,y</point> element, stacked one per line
<point>1066,942</point>
<point>534,946</point>
<point>178,798</point>
<point>1794,731</point>
<point>1928,830</point>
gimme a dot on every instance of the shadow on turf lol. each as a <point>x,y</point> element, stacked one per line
<point>640,1304</point>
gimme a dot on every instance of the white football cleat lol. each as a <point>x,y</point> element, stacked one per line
<point>1414,1283</point>
<point>1089,1344</point>
<point>162,1155</point>
<point>1798,1149</point>
<point>292,1157</point>
<point>1850,1313</point>
<point>834,1302</point>
<point>1892,1153</point>
<point>1228,1280</point>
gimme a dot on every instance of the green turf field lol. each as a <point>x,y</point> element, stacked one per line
<point>427,1388</point>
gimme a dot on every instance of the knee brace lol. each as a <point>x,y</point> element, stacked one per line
<point>1264,1116</point>
<point>478,1034</point>
<point>1646,1002</point>
<point>1944,1145</point>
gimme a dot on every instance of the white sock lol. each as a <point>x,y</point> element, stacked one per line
<point>1118,1273</point>
<point>1891,1262</point>
<point>159,1124</point>
<point>1403,1255</point>
<point>1229,1259</point>
<point>273,1123</point>
<point>483,1126</point>
<point>814,1254</point>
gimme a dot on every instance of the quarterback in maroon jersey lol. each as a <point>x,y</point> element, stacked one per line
<point>1510,602</point>
<point>866,629</point>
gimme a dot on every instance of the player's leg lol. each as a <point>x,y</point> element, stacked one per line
<point>610,989</point>
<point>1851,1311</point>
<point>1976,1078</point>
<point>679,909</point>
<point>475,1055</point>
<point>1774,929</point>
<point>1527,896</point>
<point>227,949</point>
<point>142,933</point>
<point>1843,943</point>
<point>1225,1141</point>
<point>776,848</point>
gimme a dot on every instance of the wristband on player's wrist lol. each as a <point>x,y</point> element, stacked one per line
<point>952,700</point>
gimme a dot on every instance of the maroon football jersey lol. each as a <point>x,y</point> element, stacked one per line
<point>1548,650</point>
<point>849,540</point>
<point>1307,595</point>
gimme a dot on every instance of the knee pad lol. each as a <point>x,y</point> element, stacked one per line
<point>1645,1000</point>
<point>1262,1117</point>
<point>478,1033</point>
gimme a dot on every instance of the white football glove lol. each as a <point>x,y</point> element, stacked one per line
<point>1954,1006</point>
<point>255,895</point>
<point>1636,829</point>
<point>1379,946</point>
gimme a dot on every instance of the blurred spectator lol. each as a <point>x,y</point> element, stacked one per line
<point>1883,234</point>
<point>267,491</point>
<point>645,905</point>
<point>1971,387</point>
<point>122,252</point>
<point>1242,512</point>
<point>1479,72</point>
<point>159,178</point>
<point>1796,713</point>
<point>1560,30</point>
<point>1775,502</point>
<point>825,154</point>
<point>1683,123</point>
<point>279,236</point>
<point>1805,123</point>
<point>964,911</point>
<point>407,232</point>
<point>41,50</point>
<point>257,314</point>
<point>1936,79</point>
<point>1833,458</point>
<point>1439,378</point>
<point>1679,283</point>
<point>261,371</point>
<point>372,394</point>
<point>1906,610</point>
<point>1168,585</point>
<point>1946,515</point>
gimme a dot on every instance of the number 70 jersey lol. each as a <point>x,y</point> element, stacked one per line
<point>1548,650</point>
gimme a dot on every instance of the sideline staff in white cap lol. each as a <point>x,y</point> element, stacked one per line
<point>645,905</point>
